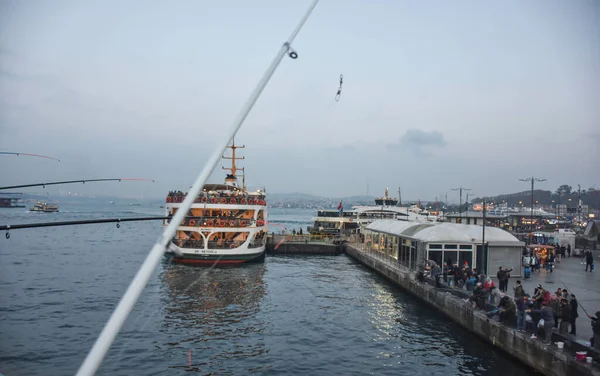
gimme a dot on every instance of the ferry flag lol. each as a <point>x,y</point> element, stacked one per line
<point>340,207</point>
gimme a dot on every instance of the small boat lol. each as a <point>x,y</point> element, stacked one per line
<point>134,204</point>
<point>111,202</point>
<point>44,207</point>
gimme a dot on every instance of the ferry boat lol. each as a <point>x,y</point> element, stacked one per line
<point>11,200</point>
<point>227,224</point>
<point>44,207</point>
<point>329,222</point>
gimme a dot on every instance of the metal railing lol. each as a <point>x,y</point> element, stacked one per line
<point>276,238</point>
<point>380,256</point>
<point>221,199</point>
<point>219,221</point>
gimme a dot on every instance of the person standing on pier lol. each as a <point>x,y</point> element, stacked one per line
<point>596,330</point>
<point>548,317</point>
<point>574,314</point>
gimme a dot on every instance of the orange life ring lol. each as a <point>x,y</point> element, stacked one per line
<point>221,223</point>
<point>261,202</point>
<point>231,223</point>
<point>243,201</point>
<point>210,223</point>
<point>203,200</point>
<point>243,223</point>
<point>250,201</point>
<point>223,200</point>
<point>260,222</point>
<point>213,200</point>
<point>168,199</point>
<point>191,222</point>
<point>233,201</point>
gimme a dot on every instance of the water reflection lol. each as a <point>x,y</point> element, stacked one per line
<point>214,312</point>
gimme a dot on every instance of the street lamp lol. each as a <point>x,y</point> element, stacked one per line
<point>532,180</point>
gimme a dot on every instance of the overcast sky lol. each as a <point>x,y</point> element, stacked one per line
<point>437,94</point>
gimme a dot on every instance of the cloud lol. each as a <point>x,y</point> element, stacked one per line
<point>419,141</point>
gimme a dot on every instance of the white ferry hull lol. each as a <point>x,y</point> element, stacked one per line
<point>213,256</point>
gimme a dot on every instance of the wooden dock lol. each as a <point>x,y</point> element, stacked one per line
<point>304,245</point>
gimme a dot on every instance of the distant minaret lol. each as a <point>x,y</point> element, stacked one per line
<point>399,197</point>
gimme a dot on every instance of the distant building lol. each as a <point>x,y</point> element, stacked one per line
<point>411,244</point>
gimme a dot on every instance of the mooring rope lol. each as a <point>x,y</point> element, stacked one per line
<point>121,312</point>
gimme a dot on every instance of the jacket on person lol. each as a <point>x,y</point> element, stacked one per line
<point>546,313</point>
<point>574,305</point>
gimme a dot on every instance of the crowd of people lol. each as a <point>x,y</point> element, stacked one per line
<point>542,312</point>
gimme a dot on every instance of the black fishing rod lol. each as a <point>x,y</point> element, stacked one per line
<point>81,222</point>
<point>71,182</point>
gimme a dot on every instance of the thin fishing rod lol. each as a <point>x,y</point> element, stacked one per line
<point>117,319</point>
<point>71,182</point>
<point>80,222</point>
<point>29,155</point>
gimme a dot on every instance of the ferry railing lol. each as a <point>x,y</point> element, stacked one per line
<point>199,244</point>
<point>204,221</point>
<point>208,198</point>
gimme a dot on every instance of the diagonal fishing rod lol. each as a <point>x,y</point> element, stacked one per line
<point>80,222</point>
<point>71,182</point>
<point>118,317</point>
<point>29,155</point>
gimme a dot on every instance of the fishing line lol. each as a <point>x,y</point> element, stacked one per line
<point>117,319</point>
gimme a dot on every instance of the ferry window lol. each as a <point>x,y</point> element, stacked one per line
<point>466,246</point>
<point>435,246</point>
<point>450,246</point>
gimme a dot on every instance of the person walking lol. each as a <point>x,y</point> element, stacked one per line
<point>569,250</point>
<point>589,261</point>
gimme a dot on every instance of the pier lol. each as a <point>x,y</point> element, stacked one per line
<point>547,359</point>
<point>278,244</point>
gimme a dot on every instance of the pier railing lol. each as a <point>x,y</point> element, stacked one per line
<point>390,261</point>
<point>329,239</point>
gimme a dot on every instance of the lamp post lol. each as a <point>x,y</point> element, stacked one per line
<point>532,180</point>
<point>460,189</point>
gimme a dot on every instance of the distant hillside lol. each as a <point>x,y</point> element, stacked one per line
<point>563,195</point>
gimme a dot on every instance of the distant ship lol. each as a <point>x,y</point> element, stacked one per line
<point>12,202</point>
<point>44,207</point>
<point>331,222</point>
<point>227,224</point>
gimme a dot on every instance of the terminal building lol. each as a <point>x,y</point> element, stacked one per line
<point>413,243</point>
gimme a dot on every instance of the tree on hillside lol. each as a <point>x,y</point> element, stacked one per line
<point>564,190</point>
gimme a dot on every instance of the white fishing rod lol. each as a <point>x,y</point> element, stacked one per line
<point>117,319</point>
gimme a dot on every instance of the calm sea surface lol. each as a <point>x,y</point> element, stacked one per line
<point>291,315</point>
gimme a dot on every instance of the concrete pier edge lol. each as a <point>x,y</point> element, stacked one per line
<point>547,359</point>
